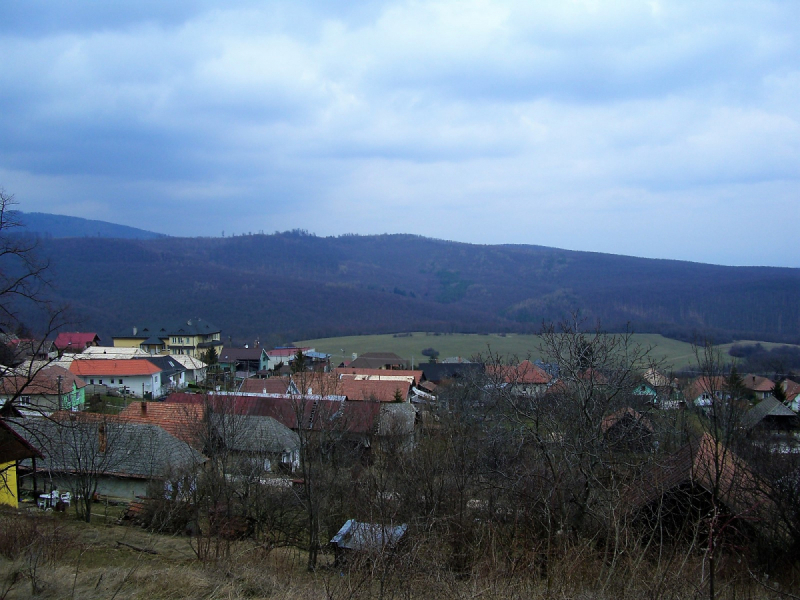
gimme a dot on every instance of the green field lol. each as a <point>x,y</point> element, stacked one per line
<point>675,354</point>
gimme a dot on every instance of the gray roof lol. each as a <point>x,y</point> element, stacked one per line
<point>769,407</point>
<point>189,327</point>
<point>368,536</point>
<point>167,364</point>
<point>131,449</point>
<point>250,433</point>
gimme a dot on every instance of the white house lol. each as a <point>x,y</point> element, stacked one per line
<point>134,377</point>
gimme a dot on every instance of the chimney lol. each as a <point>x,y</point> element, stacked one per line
<point>144,408</point>
<point>101,433</point>
<point>135,330</point>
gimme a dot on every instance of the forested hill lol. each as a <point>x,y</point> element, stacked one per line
<point>294,286</point>
<point>62,226</point>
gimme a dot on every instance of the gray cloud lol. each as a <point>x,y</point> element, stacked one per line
<point>628,127</point>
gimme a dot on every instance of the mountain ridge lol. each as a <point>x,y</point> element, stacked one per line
<point>289,286</point>
<point>295,285</point>
<point>63,226</point>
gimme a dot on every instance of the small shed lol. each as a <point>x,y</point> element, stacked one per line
<point>371,538</point>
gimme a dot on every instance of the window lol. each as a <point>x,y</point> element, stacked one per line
<point>91,382</point>
<point>120,381</point>
<point>24,400</point>
<point>101,382</point>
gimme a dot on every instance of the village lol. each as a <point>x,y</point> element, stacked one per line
<point>286,447</point>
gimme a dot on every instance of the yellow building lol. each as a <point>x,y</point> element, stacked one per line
<point>191,338</point>
<point>13,448</point>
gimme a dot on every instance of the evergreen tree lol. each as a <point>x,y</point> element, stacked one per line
<point>299,362</point>
<point>779,393</point>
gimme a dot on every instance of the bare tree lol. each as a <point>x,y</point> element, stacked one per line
<point>28,316</point>
<point>80,450</point>
<point>330,445</point>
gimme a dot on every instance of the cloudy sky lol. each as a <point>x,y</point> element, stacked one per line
<point>650,128</point>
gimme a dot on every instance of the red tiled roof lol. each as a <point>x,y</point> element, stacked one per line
<point>314,414</point>
<point>628,412</point>
<point>524,373</point>
<point>329,384</point>
<point>76,340</point>
<point>381,373</point>
<point>708,385</point>
<point>708,465</point>
<point>757,383</point>
<point>791,389</point>
<point>114,368</point>
<point>183,421</point>
<point>272,385</point>
<point>44,382</point>
<point>285,351</point>
<point>381,391</point>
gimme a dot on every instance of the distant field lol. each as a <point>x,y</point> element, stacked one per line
<point>675,354</point>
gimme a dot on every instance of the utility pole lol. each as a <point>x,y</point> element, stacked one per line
<point>58,383</point>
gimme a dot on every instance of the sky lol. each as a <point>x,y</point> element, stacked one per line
<point>648,128</point>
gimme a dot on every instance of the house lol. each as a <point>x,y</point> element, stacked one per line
<point>13,449</point>
<point>259,442</point>
<point>369,538</point>
<point>525,378</point>
<point>191,338</point>
<point>172,374</point>
<point>703,390</point>
<point>131,377</point>
<point>111,353</point>
<point>627,429</point>
<point>358,387</point>
<point>770,416</point>
<point>355,424</point>
<point>445,372</point>
<point>195,368</point>
<point>271,385</point>
<point>75,341</point>
<point>760,387</point>
<point>51,388</point>
<point>379,360</point>
<point>240,359</point>
<point>411,376</point>
<point>680,488</point>
<point>282,355</point>
<point>186,422</point>
<point>124,459</point>
<point>792,391</point>
<point>647,392</point>
<point>18,351</point>
<point>656,378</point>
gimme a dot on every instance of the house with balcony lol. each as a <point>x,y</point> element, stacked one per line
<point>190,338</point>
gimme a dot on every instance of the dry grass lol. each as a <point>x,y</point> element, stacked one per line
<point>99,561</point>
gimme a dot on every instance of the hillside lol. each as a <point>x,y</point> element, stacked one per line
<point>61,226</point>
<point>292,286</point>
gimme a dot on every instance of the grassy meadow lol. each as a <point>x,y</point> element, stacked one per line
<point>674,354</point>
